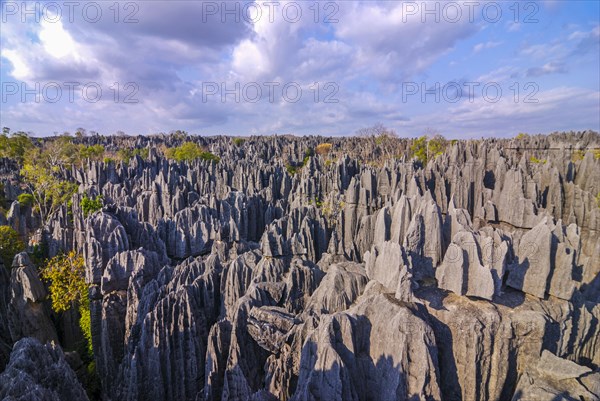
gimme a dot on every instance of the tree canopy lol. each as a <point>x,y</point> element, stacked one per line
<point>10,245</point>
<point>66,277</point>
<point>14,146</point>
<point>189,151</point>
<point>424,148</point>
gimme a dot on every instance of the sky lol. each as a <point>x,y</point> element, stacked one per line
<point>463,69</point>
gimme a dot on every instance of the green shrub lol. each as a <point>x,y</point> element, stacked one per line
<point>89,205</point>
<point>190,151</point>
<point>535,160</point>
<point>85,323</point>
<point>49,187</point>
<point>38,253</point>
<point>424,148</point>
<point>308,153</point>
<point>66,274</point>
<point>521,135</point>
<point>238,141</point>
<point>437,145</point>
<point>25,200</point>
<point>93,152</point>
<point>419,149</point>
<point>14,146</point>
<point>10,245</point>
<point>293,169</point>
<point>125,154</point>
<point>144,153</point>
<point>210,157</point>
<point>66,277</point>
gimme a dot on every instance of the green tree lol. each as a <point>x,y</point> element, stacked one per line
<point>66,277</point>
<point>292,170</point>
<point>10,245</point>
<point>419,149</point>
<point>58,154</point>
<point>437,145</point>
<point>15,146</point>
<point>66,274</point>
<point>190,151</point>
<point>45,171</point>
<point>93,152</point>
<point>424,148</point>
<point>144,153</point>
<point>125,154</point>
<point>25,199</point>
<point>91,205</point>
<point>522,135</point>
<point>308,153</point>
<point>48,190</point>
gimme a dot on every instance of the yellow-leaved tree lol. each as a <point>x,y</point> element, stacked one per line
<point>68,289</point>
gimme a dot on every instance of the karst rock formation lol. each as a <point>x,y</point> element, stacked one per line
<point>355,276</point>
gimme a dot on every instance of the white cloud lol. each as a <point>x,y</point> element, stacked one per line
<point>171,52</point>
<point>250,60</point>
<point>393,45</point>
<point>543,50</point>
<point>553,67</point>
<point>20,68</point>
<point>57,42</point>
<point>547,115</point>
<point>514,26</point>
<point>501,74</point>
<point>485,45</point>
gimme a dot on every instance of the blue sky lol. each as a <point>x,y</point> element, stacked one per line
<point>465,69</point>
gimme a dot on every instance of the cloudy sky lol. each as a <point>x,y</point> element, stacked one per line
<point>240,68</point>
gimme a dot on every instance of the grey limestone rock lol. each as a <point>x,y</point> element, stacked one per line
<point>356,276</point>
<point>39,372</point>
<point>534,261</point>
<point>366,350</point>
<point>342,284</point>
<point>388,264</point>
<point>555,379</point>
<point>28,316</point>
<point>462,271</point>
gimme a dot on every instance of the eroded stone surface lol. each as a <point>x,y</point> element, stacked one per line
<point>475,277</point>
